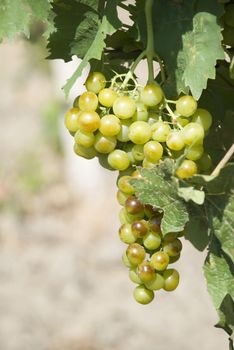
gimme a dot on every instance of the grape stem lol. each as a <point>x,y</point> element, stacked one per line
<point>223,161</point>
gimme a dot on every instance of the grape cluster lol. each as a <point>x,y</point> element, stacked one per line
<point>126,125</point>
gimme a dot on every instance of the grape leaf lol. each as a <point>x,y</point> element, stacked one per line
<point>159,188</point>
<point>40,8</point>
<point>190,193</point>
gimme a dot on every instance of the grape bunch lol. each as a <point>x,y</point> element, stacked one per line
<point>126,125</point>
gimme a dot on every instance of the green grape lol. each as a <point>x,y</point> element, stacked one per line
<point>160,131</point>
<point>95,82</point>
<point>109,125</point>
<point>151,95</point>
<point>173,259</point>
<point>123,136</point>
<point>121,197</point>
<point>193,133</point>
<point>143,295</point>
<point>172,247</point>
<point>76,102</point>
<point>141,113</point>
<point>124,107</point>
<point>134,276</point>
<point>125,260</point>
<point>118,160</point>
<point>152,240</point>
<point>88,121</point>
<point>228,35</point>
<point>133,205</point>
<point>171,279</point>
<point>71,119</point>
<point>135,253</point>
<point>150,212</point>
<point>155,223</point>
<point>138,152</point>
<point>156,284</point>
<point>175,141</point>
<point>146,272</point>
<point>104,144</point>
<point>194,152</point>
<point>125,217</point>
<point>126,235</point>
<point>182,121</point>
<point>136,174</point>
<point>84,138</point>
<point>186,106</point>
<point>107,97</point>
<point>186,169</point>
<point>153,151</point>
<point>88,101</point>
<point>148,165</point>
<point>205,162</point>
<point>139,132</point>
<point>139,228</point>
<point>203,117</point>
<point>124,184</point>
<point>153,117</point>
<point>102,159</point>
<point>159,261</point>
<point>228,17</point>
<point>85,152</point>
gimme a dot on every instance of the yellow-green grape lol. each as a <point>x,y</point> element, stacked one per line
<point>171,279</point>
<point>148,165</point>
<point>138,152</point>
<point>95,82</point>
<point>125,234</point>
<point>134,276</point>
<point>156,284</point>
<point>123,135</point>
<point>203,117</point>
<point>71,119</point>
<point>160,131</point>
<point>153,117</point>
<point>88,101</point>
<point>88,121</point>
<point>135,253</point>
<point>104,144</point>
<point>141,113</point>
<point>151,95</point>
<point>107,97</point>
<point>125,260</point>
<point>175,141</point>
<point>159,261</point>
<point>186,169</point>
<point>126,218</point>
<point>118,160</point>
<point>172,247</point>
<point>143,295</point>
<point>124,107</point>
<point>109,125</point>
<point>85,152</point>
<point>121,197</point>
<point>193,133</point>
<point>153,151</point>
<point>76,102</point>
<point>152,241</point>
<point>194,152</point>
<point>186,106</point>
<point>84,138</point>
<point>139,132</point>
<point>205,162</point>
<point>182,121</point>
<point>146,272</point>
<point>124,185</point>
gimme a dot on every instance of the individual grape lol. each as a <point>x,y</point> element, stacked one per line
<point>135,253</point>
<point>148,165</point>
<point>85,152</point>
<point>186,105</point>
<point>173,259</point>
<point>146,272</point>
<point>153,151</point>
<point>109,125</point>
<point>104,144</point>
<point>138,152</point>
<point>88,101</point>
<point>143,295</point>
<point>156,284</point>
<point>152,241</point>
<point>71,119</point>
<point>136,174</point>
<point>84,138</point>
<point>155,223</point>
<point>159,261</point>
<point>124,185</point>
<point>205,162</point>
<point>175,141</point>
<point>133,205</point>
<point>160,131</point>
<point>123,135</point>
<point>141,113</point>
<point>107,97</point>
<point>118,160</point>
<point>121,197</point>
<point>151,95</point>
<point>125,260</point>
<point>124,107</point>
<point>153,117</point>
<point>193,133</point>
<point>95,82</point>
<point>139,228</point>
<point>126,235</point>
<point>76,102</point>
<point>228,16</point>
<point>139,132</point>
<point>203,117</point>
<point>133,275</point>
<point>182,121</point>
<point>172,247</point>
<point>186,169</point>
<point>150,211</point>
<point>125,217</point>
<point>88,121</point>
<point>171,279</point>
<point>194,152</point>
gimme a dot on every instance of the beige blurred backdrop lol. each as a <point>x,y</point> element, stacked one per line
<point>62,283</point>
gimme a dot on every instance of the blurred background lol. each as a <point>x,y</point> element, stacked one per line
<point>62,282</point>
